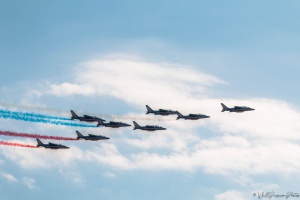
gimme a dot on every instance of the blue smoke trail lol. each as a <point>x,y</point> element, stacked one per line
<point>25,114</point>
<point>24,117</point>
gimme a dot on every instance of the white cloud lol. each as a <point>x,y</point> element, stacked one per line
<point>29,183</point>
<point>109,155</point>
<point>261,141</point>
<point>231,195</point>
<point>227,155</point>
<point>69,89</point>
<point>108,175</point>
<point>137,81</point>
<point>249,183</point>
<point>75,177</point>
<point>9,177</point>
<point>29,158</point>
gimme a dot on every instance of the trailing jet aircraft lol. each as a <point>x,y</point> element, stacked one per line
<point>237,109</point>
<point>91,137</point>
<point>112,124</point>
<point>51,145</point>
<point>191,116</point>
<point>85,118</point>
<point>160,111</point>
<point>148,127</point>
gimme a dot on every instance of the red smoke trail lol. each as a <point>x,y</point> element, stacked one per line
<point>16,144</point>
<point>27,135</point>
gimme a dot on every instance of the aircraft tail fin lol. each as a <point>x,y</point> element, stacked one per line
<point>74,116</point>
<point>149,110</point>
<point>79,135</point>
<point>39,143</point>
<point>224,107</point>
<point>179,115</point>
<point>100,122</point>
<point>136,126</point>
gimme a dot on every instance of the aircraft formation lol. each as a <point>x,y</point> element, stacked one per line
<point>100,122</point>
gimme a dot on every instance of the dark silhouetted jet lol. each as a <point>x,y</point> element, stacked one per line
<point>112,124</point>
<point>191,116</point>
<point>148,127</point>
<point>85,118</point>
<point>160,111</point>
<point>51,145</point>
<point>91,137</point>
<point>237,109</point>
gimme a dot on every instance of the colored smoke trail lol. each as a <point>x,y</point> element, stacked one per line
<point>24,117</point>
<point>27,135</point>
<point>26,114</point>
<point>16,144</point>
<point>105,116</point>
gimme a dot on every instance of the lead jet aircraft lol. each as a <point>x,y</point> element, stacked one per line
<point>237,109</point>
<point>51,145</point>
<point>85,118</point>
<point>191,116</point>
<point>160,111</point>
<point>112,124</point>
<point>91,137</point>
<point>148,127</point>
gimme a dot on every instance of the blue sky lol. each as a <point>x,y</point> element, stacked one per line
<point>111,58</point>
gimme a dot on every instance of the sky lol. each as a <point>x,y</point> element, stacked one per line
<point>111,58</point>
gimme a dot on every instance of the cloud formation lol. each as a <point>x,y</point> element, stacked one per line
<point>137,81</point>
<point>230,195</point>
<point>261,141</point>
<point>9,177</point>
<point>30,183</point>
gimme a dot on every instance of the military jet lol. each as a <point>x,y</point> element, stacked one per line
<point>85,118</point>
<point>51,145</point>
<point>160,111</point>
<point>237,109</point>
<point>91,137</point>
<point>148,127</point>
<point>112,124</point>
<point>191,116</point>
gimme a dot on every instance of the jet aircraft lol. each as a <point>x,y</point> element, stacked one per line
<point>112,124</point>
<point>160,111</point>
<point>148,127</point>
<point>191,116</point>
<point>85,118</point>
<point>237,109</point>
<point>51,145</point>
<point>91,137</point>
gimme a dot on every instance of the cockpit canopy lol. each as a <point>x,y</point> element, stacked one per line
<point>152,126</point>
<point>165,110</point>
<point>241,107</point>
